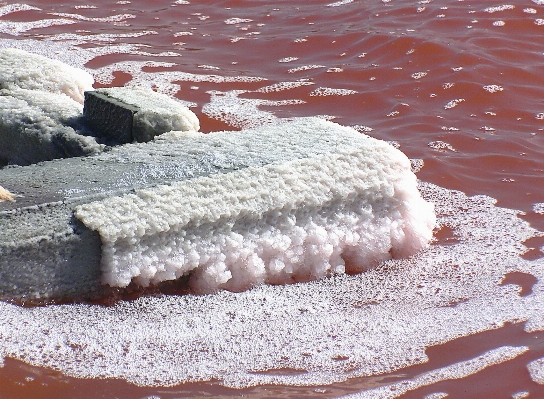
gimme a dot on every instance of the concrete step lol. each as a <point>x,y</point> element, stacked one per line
<point>46,252</point>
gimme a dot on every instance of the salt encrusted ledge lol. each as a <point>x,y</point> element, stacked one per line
<point>280,203</point>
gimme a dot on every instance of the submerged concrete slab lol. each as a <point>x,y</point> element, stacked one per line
<point>46,252</point>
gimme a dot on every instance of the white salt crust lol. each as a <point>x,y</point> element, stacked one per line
<point>157,111</point>
<point>34,126</point>
<point>379,321</point>
<point>39,102</point>
<point>22,70</point>
<point>292,221</point>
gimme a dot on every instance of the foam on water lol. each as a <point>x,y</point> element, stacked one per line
<point>454,371</point>
<point>379,321</point>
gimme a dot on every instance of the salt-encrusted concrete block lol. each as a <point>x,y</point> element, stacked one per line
<point>128,114</point>
<point>275,204</point>
<point>109,117</point>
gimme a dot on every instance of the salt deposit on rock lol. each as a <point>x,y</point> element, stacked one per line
<point>296,220</point>
<point>24,70</point>
<point>156,113</point>
<point>39,109</point>
<point>35,126</point>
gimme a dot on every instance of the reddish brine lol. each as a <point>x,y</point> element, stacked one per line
<point>458,86</point>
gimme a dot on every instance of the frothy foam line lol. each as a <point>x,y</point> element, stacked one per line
<point>16,28</point>
<point>12,8</point>
<point>454,371</point>
<point>536,370</point>
<point>112,18</point>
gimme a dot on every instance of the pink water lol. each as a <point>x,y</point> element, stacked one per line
<point>458,84</point>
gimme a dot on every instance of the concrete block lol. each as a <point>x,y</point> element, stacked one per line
<point>109,117</point>
<point>265,202</point>
<point>135,114</point>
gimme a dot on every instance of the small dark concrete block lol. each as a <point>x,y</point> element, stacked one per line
<point>109,117</point>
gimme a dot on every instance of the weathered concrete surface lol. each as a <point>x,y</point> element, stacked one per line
<point>46,253</point>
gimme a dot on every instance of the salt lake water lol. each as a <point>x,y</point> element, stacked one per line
<point>458,86</point>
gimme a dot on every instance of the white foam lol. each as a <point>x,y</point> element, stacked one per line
<point>111,18</point>
<point>237,112</point>
<point>436,395</point>
<point>162,80</point>
<point>305,68</point>
<point>236,20</point>
<point>11,8</point>
<point>294,221</point>
<point>453,103</point>
<point>538,208</point>
<point>458,370</point>
<point>16,28</point>
<point>281,86</point>
<point>339,3</point>
<point>327,91</point>
<point>504,7</point>
<point>536,370</point>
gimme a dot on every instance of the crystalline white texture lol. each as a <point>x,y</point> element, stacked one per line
<point>38,107</point>
<point>20,69</point>
<point>34,126</point>
<point>156,110</point>
<point>291,221</point>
